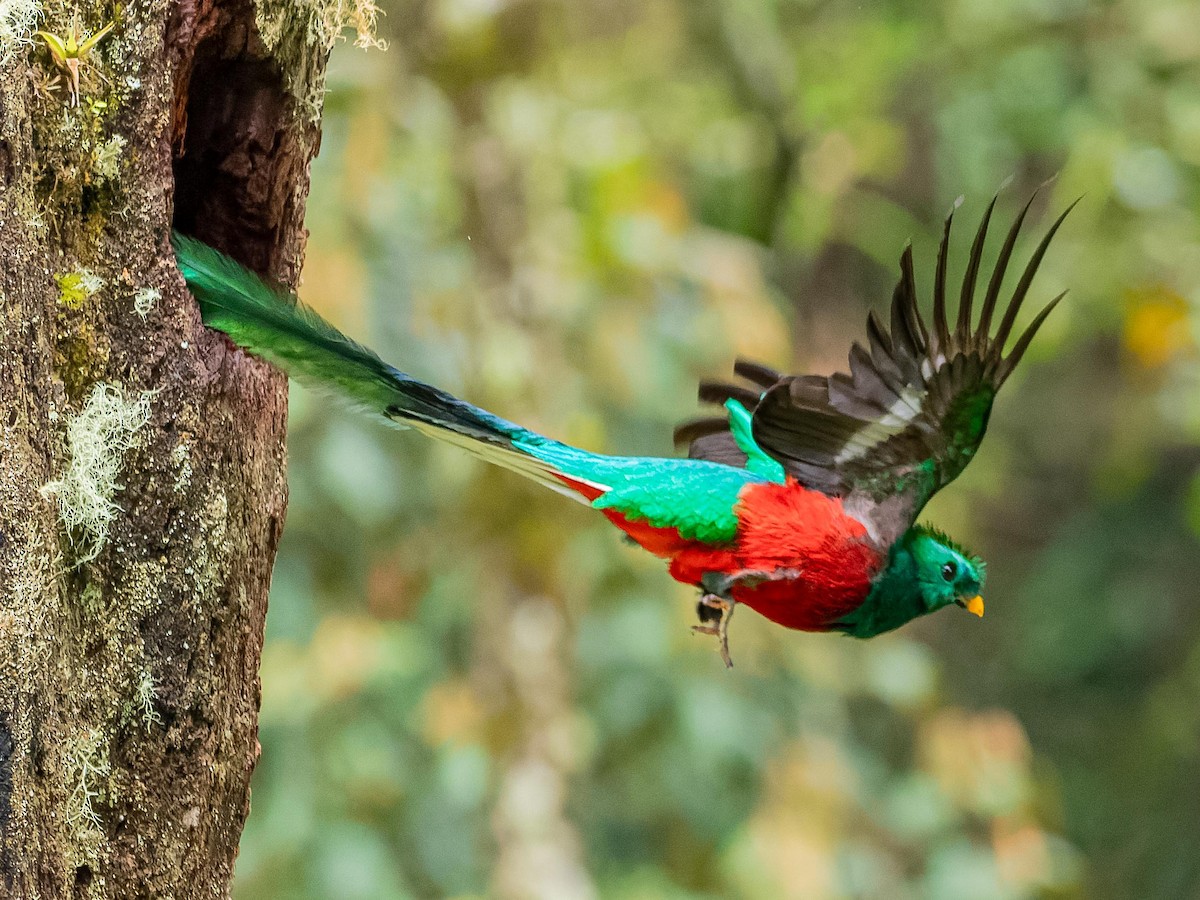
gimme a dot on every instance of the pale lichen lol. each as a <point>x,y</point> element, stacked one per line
<point>17,21</point>
<point>90,770</point>
<point>91,598</point>
<point>323,22</point>
<point>181,455</point>
<point>106,158</point>
<point>74,288</point>
<point>97,439</point>
<point>205,565</point>
<point>145,300</point>
<point>292,31</point>
<point>144,694</point>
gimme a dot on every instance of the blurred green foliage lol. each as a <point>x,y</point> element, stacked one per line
<point>568,212</point>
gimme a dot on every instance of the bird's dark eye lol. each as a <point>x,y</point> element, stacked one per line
<point>949,570</point>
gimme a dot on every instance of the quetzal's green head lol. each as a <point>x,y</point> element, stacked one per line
<point>944,572</point>
<point>925,571</point>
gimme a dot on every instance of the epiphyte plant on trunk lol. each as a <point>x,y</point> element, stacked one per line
<point>71,54</point>
<point>799,502</point>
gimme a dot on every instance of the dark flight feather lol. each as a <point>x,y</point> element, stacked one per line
<point>910,413</point>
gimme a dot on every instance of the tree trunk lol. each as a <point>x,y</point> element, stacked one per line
<point>142,485</point>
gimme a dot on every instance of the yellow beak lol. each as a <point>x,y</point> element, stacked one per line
<point>975,606</point>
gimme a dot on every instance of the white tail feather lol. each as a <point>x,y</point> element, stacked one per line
<point>532,468</point>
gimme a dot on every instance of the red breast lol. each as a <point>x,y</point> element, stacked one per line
<point>787,526</point>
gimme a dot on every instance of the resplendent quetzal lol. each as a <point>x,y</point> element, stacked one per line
<point>800,503</point>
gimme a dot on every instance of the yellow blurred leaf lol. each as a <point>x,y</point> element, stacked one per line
<point>343,653</point>
<point>668,205</point>
<point>451,712</point>
<point>1156,326</point>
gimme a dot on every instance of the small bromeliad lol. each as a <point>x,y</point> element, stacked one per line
<point>800,502</point>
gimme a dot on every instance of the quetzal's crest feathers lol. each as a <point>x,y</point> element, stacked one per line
<point>946,541</point>
<point>910,413</point>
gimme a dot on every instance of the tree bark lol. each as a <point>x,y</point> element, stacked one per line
<point>142,483</point>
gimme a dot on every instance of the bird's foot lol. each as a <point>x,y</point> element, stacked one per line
<point>712,607</point>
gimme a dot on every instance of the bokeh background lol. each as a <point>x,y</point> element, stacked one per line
<point>569,211</point>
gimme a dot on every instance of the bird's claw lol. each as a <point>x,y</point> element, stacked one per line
<point>724,607</point>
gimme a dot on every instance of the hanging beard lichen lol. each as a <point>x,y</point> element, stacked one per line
<point>97,439</point>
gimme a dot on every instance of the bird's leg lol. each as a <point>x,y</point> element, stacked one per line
<point>723,607</point>
<point>716,603</point>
